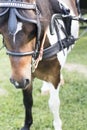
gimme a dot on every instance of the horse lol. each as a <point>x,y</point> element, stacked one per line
<point>38,34</point>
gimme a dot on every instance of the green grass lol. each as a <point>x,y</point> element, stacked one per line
<point>73,95</point>
<point>79,52</point>
<point>73,102</point>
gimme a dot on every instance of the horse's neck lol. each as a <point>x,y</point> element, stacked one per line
<point>71,4</point>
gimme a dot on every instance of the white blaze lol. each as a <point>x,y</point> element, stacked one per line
<point>19,27</point>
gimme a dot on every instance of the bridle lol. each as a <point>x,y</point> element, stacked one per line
<point>12,6</point>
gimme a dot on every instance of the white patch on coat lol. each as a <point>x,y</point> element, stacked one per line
<point>62,57</point>
<point>75,28</point>
<point>54,39</point>
<point>19,27</point>
<point>45,88</point>
<point>54,104</point>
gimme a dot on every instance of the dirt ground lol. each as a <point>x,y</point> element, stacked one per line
<point>76,67</point>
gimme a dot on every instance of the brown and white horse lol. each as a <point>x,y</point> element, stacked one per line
<point>26,32</point>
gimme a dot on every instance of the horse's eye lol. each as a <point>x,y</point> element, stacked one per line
<point>3,15</point>
<point>31,35</point>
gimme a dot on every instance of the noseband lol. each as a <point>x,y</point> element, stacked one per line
<point>12,7</point>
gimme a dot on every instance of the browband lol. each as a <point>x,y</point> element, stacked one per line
<point>22,5</point>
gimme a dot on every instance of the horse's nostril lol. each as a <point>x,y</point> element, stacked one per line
<point>15,83</point>
<point>11,80</point>
<point>21,84</point>
<point>26,82</point>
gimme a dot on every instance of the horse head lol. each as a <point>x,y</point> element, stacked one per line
<point>19,28</point>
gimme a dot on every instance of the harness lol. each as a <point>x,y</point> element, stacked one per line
<point>50,51</point>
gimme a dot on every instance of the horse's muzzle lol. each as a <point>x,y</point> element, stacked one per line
<point>23,84</point>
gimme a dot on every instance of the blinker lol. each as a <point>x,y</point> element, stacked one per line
<point>12,22</point>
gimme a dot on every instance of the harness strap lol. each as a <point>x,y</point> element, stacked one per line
<point>54,49</point>
<point>40,56</point>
